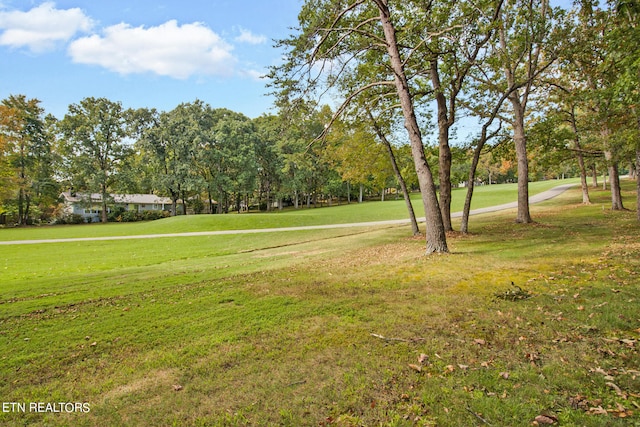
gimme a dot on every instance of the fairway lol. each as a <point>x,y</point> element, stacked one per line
<point>484,196</point>
<point>347,326</point>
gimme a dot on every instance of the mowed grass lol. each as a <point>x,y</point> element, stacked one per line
<point>392,208</point>
<point>350,327</point>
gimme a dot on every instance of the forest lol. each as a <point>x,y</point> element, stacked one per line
<point>374,98</point>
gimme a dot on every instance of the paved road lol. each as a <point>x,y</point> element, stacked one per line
<point>546,195</point>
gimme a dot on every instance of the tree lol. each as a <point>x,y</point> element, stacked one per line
<point>29,154</point>
<point>8,121</point>
<point>165,144</point>
<point>334,32</point>
<point>95,132</point>
<point>603,56</point>
<point>524,52</point>
<point>453,36</point>
<point>230,152</point>
<point>269,131</point>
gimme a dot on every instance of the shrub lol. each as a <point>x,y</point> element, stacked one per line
<point>71,219</point>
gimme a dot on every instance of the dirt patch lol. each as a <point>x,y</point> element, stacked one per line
<point>163,378</point>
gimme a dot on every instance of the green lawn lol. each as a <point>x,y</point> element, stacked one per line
<point>370,211</point>
<point>345,327</point>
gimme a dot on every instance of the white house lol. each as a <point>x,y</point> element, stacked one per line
<point>90,205</point>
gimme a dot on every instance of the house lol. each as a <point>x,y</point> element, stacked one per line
<point>89,206</point>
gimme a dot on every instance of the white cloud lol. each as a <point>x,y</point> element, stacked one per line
<point>253,74</point>
<point>42,27</point>
<point>167,50</point>
<point>247,36</point>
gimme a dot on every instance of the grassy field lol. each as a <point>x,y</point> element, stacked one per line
<point>369,211</point>
<point>345,327</point>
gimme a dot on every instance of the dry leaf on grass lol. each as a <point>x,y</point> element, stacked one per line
<point>415,367</point>
<point>546,419</point>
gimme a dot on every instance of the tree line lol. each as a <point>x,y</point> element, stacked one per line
<point>209,160</point>
<point>550,91</point>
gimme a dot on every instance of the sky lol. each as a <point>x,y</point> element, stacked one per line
<point>143,53</point>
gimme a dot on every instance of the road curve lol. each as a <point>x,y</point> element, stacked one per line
<point>546,195</point>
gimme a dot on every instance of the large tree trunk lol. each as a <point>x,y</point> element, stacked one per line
<point>436,238</point>
<point>444,156</point>
<point>583,180</point>
<point>612,167</point>
<point>520,140</point>
<point>614,182</point>
<point>103,214</point>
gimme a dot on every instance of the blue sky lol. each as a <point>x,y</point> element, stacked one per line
<point>143,53</point>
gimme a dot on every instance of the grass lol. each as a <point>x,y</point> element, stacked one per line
<point>369,211</point>
<point>333,327</point>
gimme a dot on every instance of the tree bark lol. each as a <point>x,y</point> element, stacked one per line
<point>396,170</point>
<point>520,140</point>
<point>638,183</point>
<point>612,167</point>
<point>436,238</point>
<point>103,214</point>
<point>614,182</point>
<point>464,226</point>
<point>583,170</point>
<point>444,156</point>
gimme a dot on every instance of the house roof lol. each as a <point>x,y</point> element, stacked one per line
<point>142,199</point>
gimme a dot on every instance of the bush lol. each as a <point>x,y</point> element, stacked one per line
<point>128,216</point>
<point>153,215</point>
<point>115,214</point>
<point>71,219</point>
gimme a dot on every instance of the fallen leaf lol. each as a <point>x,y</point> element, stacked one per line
<point>617,389</point>
<point>177,387</point>
<point>620,411</point>
<point>479,341</point>
<point>463,367</point>
<point>415,367</point>
<point>504,375</point>
<point>93,344</point>
<point>546,419</point>
<point>598,411</point>
<point>423,358</point>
